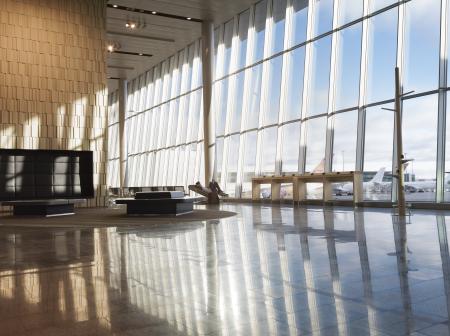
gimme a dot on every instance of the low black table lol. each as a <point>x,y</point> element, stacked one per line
<point>47,208</point>
<point>159,203</point>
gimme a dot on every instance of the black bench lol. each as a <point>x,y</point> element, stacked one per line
<point>159,203</point>
<point>47,208</point>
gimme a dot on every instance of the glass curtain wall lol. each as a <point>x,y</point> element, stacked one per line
<point>300,86</point>
<point>163,127</point>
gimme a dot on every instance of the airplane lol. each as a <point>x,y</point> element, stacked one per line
<point>373,185</point>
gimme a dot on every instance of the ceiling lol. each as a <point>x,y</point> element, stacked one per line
<point>159,36</point>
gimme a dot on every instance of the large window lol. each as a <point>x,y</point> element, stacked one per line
<point>249,163</point>
<point>320,77</point>
<point>227,39</point>
<point>289,156</point>
<point>278,23</point>
<point>242,38</point>
<point>420,145</point>
<point>269,150</point>
<point>378,151</point>
<point>344,141</point>
<point>382,56</point>
<point>277,74</point>
<point>323,16</point>
<point>349,10</point>
<point>273,87</point>
<point>235,114</point>
<point>379,4</point>
<point>294,72</point>
<point>299,21</point>
<point>315,144</point>
<point>422,34</point>
<point>221,106</point>
<point>447,154</point>
<point>232,165</point>
<point>348,61</point>
<point>254,97</point>
<point>259,30</point>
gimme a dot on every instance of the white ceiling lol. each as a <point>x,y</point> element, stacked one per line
<point>161,36</point>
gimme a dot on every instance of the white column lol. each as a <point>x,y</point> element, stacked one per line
<point>208,120</point>
<point>122,99</point>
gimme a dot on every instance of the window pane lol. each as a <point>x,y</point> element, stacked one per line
<point>320,76</point>
<point>323,16</point>
<point>278,17</point>
<point>243,34</point>
<point>299,21</point>
<point>382,53</point>
<point>269,150</point>
<point>419,126</point>
<point>291,145</point>
<point>232,164</point>
<point>221,108</point>
<point>349,10</point>
<point>260,28</point>
<point>378,151</point>
<point>219,157</point>
<point>378,4</point>
<point>249,163</point>
<point>294,83</point>
<point>236,102</point>
<point>254,97</point>
<point>227,39</point>
<point>422,36</point>
<point>272,103</point>
<point>447,154</point>
<point>315,144</point>
<point>344,143</point>
<point>348,62</point>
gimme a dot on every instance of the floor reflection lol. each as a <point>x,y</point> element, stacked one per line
<point>267,271</point>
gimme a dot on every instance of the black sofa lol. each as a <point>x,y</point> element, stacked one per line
<point>45,182</point>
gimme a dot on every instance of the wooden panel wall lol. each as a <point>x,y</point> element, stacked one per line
<point>53,78</point>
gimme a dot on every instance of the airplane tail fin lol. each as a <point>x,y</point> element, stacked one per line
<point>378,178</point>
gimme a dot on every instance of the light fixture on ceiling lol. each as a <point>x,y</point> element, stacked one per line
<point>188,18</point>
<point>115,6</point>
<point>154,13</point>
<point>131,25</point>
<point>135,23</point>
<point>113,46</point>
<point>141,54</point>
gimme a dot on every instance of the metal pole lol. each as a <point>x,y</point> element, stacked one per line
<point>399,144</point>
<point>207,64</point>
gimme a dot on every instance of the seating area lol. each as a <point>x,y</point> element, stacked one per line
<point>299,183</point>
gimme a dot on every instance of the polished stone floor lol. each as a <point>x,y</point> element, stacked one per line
<point>268,270</point>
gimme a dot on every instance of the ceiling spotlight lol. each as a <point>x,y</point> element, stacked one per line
<point>131,25</point>
<point>115,6</point>
<point>153,12</point>
<point>113,46</point>
<point>141,54</point>
<point>188,18</point>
